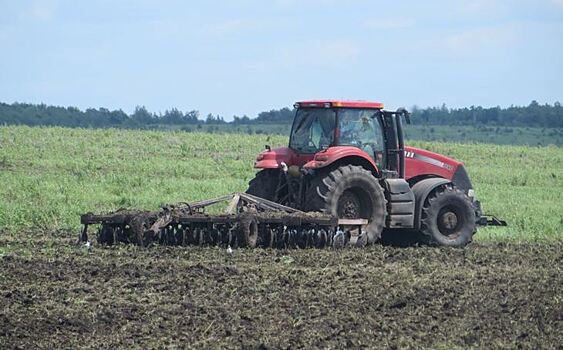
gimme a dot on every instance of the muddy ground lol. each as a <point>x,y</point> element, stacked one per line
<point>494,295</point>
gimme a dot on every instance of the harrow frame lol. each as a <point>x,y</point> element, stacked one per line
<point>248,221</point>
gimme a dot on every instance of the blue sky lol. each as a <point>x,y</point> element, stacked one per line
<point>246,56</point>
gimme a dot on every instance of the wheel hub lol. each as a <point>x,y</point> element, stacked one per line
<point>449,220</point>
<point>349,206</point>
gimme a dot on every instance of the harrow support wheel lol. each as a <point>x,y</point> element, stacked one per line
<point>105,235</point>
<point>140,233</point>
<point>249,230</point>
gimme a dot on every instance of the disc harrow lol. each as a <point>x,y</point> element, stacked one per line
<point>247,221</point>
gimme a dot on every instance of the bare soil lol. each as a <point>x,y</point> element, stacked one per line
<point>497,295</point>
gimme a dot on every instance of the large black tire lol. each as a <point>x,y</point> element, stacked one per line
<point>350,192</point>
<point>264,184</point>
<point>448,217</point>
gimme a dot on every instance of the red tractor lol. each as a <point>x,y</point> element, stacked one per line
<point>348,159</point>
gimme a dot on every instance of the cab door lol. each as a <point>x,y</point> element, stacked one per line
<point>362,128</point>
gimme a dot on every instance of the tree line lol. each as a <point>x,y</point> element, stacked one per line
<point>533,115</point>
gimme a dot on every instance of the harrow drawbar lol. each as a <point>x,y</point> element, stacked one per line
<point>248,221</point>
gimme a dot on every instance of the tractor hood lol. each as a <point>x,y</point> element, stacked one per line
<point>420,162</point>
<point>272,158</point>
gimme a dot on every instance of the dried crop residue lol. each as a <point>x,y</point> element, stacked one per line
<point>488,295</point>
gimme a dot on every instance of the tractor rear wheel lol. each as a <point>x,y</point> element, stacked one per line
<point>448,218</point>
<point>264,184</point>
<point>350,192</point>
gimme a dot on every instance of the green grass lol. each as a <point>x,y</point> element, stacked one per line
<point>486,134</point>
<point>49,176</point>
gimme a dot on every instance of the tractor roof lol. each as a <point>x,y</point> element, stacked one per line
<point>339,103</point>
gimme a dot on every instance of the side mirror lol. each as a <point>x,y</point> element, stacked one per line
<point>403,112</point>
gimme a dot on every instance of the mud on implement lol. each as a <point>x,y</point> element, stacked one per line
<point>248,221</point>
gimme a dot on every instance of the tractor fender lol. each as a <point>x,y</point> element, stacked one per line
<point>351,155</point>
<point>272,158</point>
<point>421,191</point>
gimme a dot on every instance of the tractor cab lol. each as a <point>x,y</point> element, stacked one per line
<point>327,128</point>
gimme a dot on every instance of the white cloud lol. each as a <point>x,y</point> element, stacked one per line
<point>558,3</point>
<point>4,34</point>
<point>42,10</point>
<point>234,26</point>
<point>388,23</point>
<point>479,38</point>
<point>471,42</point>
<point>336,52</point>
<point>231,25</point>
<point>300,4</point>
<point>480,7</point>
<point>326,54</point>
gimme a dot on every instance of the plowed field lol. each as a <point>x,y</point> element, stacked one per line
<point>490,295</point>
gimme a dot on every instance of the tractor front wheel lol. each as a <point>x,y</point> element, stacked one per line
<point>448,217</point>
<point>264,184</point>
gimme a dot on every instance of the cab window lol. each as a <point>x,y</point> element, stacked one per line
<point>313,130</point>
<point>359,128</point>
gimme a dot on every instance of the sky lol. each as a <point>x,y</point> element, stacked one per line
<point>241,57</point>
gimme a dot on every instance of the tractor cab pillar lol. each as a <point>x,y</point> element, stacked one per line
<point>394,141</point>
